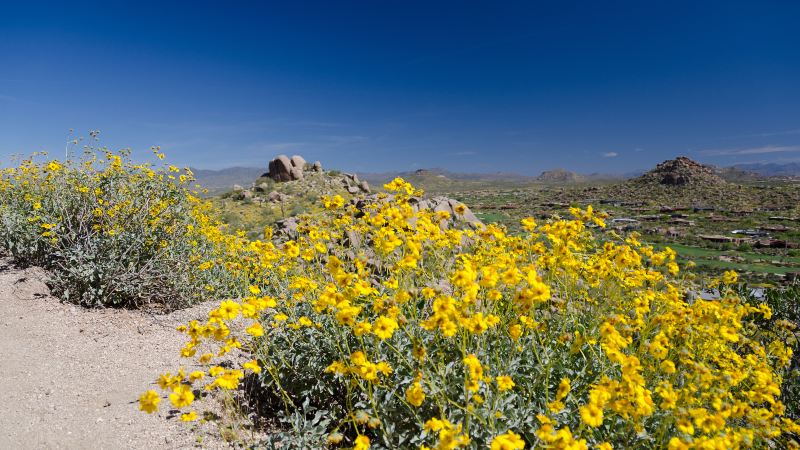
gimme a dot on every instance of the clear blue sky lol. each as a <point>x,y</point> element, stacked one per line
<point>379,85</point>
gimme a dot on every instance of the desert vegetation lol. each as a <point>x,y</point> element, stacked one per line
<point>111,232</point>
<point>375,324</point>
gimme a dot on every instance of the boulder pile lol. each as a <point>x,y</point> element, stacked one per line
<point>353,185</point>
<point>682,171</point>
<point>459,212</point>
<point>460,215</point>
<point>283,168</point>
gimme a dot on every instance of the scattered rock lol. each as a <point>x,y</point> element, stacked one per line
<point>243,194</point>
<point>276,197</point>
<point>317,167</point>
<point>458,211</point>
<point>286,228</point>
<point>364,186</point>
<point>353,238</point>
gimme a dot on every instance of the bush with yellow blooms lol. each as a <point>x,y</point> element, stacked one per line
<point>111,232</point>
<point>378,326</point>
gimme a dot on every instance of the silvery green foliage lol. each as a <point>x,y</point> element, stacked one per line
<point>784,324</point>
<point>302,429</point>
<point>302,392</point>
<point>118,234</point>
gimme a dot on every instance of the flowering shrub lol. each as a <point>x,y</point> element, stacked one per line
<point>382,327</point>
<point>111,232</point>
<point>785,322</point>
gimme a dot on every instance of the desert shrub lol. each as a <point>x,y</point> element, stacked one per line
<point>401,330</point>
<point>111,232</point>
<point>783,324</point>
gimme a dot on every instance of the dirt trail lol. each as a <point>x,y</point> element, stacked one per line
<point>70,377</point>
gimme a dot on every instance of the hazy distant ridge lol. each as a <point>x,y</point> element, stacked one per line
<point>216,180</point>
<point>772,169</point>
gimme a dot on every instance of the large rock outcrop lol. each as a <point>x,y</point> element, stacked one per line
<point>283,168</point>
<point>682,171</point>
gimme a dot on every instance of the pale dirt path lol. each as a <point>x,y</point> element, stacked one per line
<point>70,377</point>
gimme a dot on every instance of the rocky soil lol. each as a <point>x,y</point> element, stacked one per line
<point>71,377</point>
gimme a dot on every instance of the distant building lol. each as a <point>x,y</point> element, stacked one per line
<point>750,232</point>
<point>790,219</point>
<point>774,228</point>
<point>723,239</point>
<point>776,243</point>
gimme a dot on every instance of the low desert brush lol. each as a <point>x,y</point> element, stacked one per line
<point>386,327</point>
<point>110,232</point>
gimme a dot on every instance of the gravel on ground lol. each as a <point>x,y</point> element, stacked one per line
<point>71,376</point>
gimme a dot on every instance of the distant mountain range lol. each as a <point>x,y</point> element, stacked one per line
<point>772,169</point>
<point>437,172</point>
<point>223,179</point>
<point>566,176</point>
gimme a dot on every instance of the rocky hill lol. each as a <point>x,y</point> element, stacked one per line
<point>443,174</point>
<point>292,186</point>
<point>681,181</point>
<point>287,178</point>
<point>218,181</point>
<point>559,176</point>
<point>787,170</point>
<point>681,171</point>
<point>737,175</point>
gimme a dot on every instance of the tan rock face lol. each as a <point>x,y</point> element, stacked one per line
<point>280,168</point>
<point>297,173</point>
<point>283,168</point>
<point>299,162</point>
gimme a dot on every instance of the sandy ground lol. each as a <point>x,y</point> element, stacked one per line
<point>70,377</point>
